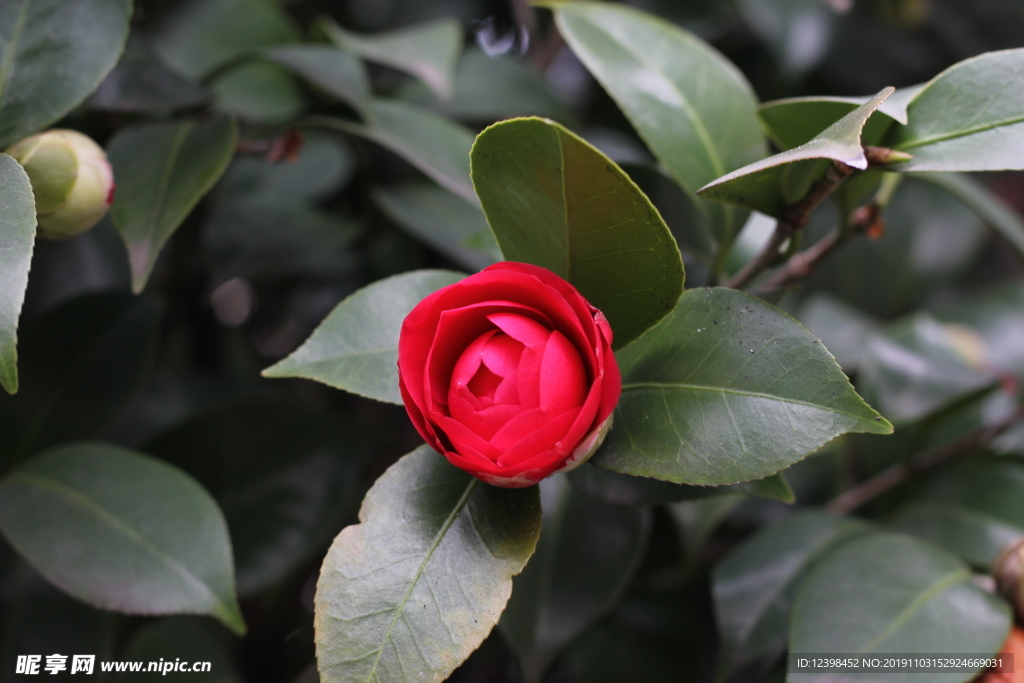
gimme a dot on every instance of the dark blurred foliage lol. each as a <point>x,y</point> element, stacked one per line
<point>231,298</point>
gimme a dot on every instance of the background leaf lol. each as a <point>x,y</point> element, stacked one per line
<point>428,51</point>
<point>430,142</point>
<point>52,55</point>
<point>167,639</point>
<point>442,220</point>
<point>968,118</point>
<point>972,508</point>
<point>356,347</point>
<point>81,363</point>
<point>555,201</point>
<point>141,82</point>
<point>691,106</point>
<point>772,184</point>
<point>259,92</point>
<point>121,531</point>
<point>204,35</point>
<point>587,553</point>
<point>162,171</point>
<point>728,389</point>
<point>17,238</point>
<point>419,583</point>
<point>840,608</point>
<point>336,72</point>
<point>754,585</point>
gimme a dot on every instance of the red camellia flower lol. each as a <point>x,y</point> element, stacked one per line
<point>509,373</point>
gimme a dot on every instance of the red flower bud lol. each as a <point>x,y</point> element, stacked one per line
<point>71,180</point>
<point>510,374</point>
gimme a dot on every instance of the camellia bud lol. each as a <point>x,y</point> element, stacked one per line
<point>1009,575</point>
<point>71,180</point>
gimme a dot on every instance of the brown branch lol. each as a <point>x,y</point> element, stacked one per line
<point>793,219</point>
<point>895,475</point>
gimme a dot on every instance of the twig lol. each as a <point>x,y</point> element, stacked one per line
<point>792,220</point>
<point>892,477</point>
<point>866,219</point>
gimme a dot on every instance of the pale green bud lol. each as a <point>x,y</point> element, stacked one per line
<point>71,179</point>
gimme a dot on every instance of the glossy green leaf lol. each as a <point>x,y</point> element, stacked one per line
<point>17,238</point>
<point>80,364</point>
<point>972,508</point>
<point>692,107</point>
<point>968,118</point>
<point>929,604</point>
<point>728,389</point>
<point>796,121</point>
<point>588,552</point>
<point>259,92</point>
<point>162,171</point>
<point>678,209</point>
<point>754,585</point>
<point>772,184</point>
<point>121,531</point>
<point>428,51</point>
<point>356,347</point>
<point>623,489</point>
<point>432,143</point>
<point>413,589</point>
<point>69,47</point>
<point>919,366</point>
<point>201,36</point>
<point>272,237</point>
<point>555,201</point>
<point>490,88</point>
<point>442,220</point>
<point>1000,216</point>
<point>141,82</point>
<point>334,71</point>
<point>284,476</point>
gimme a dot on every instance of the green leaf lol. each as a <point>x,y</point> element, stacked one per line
<point>968,118</point>
<point>52,55</point>
<point>355,348</point>
<point>678,209</point>
<point>162,172</point>
<point>430,142</point>
<point>442,220</point>
<point>260,92</point>
<point>555,201</point>
<point>428,51</point>
<point>918,366</point>
<point>623,489</point>
<point>994,314</point>
<point>754,585</point>
<point>728,389</point>
<point>489,89</point>
<point>413,589</point>
<point>1000,216</point>
<point>121,531</point>
<point>692,107</point>
<point>202,36</point>
<point>972,508</point>
<point>17,238</point>
<point>336,72</point>
<point>141,82</point>
<point>81,362</point>
<point>794,121</point>
<point>772,184</point>
<point>284,476</point>
<point>893,593</point>
<point>324,165</point>
<point>588,552</point>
